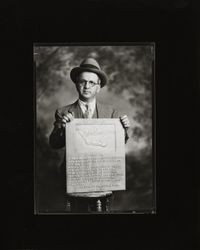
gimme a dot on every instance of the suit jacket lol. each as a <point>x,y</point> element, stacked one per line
<point>57,137</point>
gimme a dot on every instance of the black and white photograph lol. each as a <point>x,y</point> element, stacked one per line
<point>104,164</point>
<point>99,124</point>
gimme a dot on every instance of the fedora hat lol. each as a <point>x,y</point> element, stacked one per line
<point>89,65</point>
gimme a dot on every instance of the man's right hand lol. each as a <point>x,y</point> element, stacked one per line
<point>67,118</point>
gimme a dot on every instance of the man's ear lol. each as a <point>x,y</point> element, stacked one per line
<point>98,88</point>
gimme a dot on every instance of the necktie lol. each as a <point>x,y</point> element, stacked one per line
<point>87,113</point>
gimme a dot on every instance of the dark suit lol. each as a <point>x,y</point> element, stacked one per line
<point>57,137</point>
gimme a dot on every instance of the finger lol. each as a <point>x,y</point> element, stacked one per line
<point>125,120</point>
<point>123,117</point>
<point>63,125</point>
<point>126,123</point>
<point>127,126</point>
<point>70,116</point>
<point>71,112</point>
<point>65,119</point>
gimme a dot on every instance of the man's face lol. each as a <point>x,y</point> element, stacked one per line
<point>88,85</point>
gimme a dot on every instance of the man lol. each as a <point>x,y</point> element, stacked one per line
<point>89,79</point>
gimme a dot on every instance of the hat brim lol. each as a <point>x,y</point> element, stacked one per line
<point>77,70</point>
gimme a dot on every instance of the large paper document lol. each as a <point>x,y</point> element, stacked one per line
<point>95,155</point>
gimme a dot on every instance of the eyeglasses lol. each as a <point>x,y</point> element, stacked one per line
<point>84,82</point>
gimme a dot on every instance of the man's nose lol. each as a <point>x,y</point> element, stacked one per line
<point>87,85</point>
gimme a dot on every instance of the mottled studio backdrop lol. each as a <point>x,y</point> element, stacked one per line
<point>130,73</point>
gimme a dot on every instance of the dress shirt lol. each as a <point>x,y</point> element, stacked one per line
<point>91,106</point>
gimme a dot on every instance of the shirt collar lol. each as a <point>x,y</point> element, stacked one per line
<point>91,104</point>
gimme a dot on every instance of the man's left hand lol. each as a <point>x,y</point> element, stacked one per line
<point>125,121</point>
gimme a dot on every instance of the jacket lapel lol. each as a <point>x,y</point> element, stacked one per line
<point>101,111</point>
<point>75,109</point>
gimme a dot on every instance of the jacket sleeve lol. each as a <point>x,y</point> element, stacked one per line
<point>115,114</point>
<point>57,136</point>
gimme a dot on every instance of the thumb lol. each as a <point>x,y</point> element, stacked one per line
<point>71,112</point>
